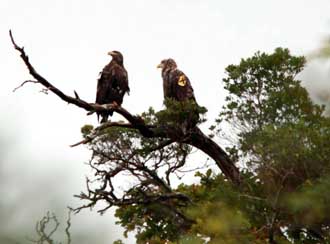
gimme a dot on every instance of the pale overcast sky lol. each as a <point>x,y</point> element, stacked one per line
<point>67,41</point>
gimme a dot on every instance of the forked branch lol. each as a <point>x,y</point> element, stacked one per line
<point>196,137</point>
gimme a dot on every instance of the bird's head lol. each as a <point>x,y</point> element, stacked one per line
<point>167,64</point>
<point>117,56</point>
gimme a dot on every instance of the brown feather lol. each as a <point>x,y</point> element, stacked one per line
<point>112,85</point>
<point>176,84</point>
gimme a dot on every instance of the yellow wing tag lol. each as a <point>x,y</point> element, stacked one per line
<point>182,81</point>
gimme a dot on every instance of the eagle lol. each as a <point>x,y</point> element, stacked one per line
<point>112,84</point>
<point>177,86</point>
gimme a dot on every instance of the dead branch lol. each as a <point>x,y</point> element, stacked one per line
<point>50,222</point>
<point>196,137</point>
<point>136,121</point>
<point>27,81</point>
<point>67,228</point>
<point>150,187</point>
<point>199,140</point>
<point>76,95</point>
<point>41,227</point>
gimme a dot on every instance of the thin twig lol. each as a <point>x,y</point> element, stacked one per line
<point>27,81</point>
<point>68,225</point>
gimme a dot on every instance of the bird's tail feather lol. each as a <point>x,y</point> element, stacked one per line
<point>104,116</point>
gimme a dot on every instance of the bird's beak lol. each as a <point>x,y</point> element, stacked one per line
<point>111,53</point>
<point>159,66</point>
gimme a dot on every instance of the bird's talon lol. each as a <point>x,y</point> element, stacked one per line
<point>114,104</point>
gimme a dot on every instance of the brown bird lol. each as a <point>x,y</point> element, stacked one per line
<point>112,84</point>
<point>176,84</point>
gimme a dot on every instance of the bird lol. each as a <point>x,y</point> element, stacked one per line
<point>112,84</point>
<point>177,86</point>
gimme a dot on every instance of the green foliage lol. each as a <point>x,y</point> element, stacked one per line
<point>178,113</point>
<point>150,116</point>
<point>309,203</point>
<point>263,90</point>
<point>282,138</point>
<point>217,212</point>
<point>86,130</point>
<point>151,221</point>
<point>300,150</point>
<point>281,141</point>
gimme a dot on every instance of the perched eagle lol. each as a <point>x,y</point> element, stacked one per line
<point>112,84</point>
<point>176,84</point>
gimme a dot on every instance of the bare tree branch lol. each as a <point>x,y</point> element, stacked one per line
<point>27,81</point>
<point>91,107</point>
<point>41,226</point>
<point>50,222</point>
<point>68,225</point>
<point>196,138</point>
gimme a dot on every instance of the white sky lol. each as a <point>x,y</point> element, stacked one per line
<point>67,41</point>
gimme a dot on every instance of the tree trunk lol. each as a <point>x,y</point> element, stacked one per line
<point>199,140</point>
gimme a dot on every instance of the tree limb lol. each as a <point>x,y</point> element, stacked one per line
<point>98,131</point>
<point>196,138</point>
<point>27,81</point>
<point>91,107</point>
<point>199,140</point>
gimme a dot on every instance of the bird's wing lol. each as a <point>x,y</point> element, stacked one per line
<point>166,85</point>
<point>120,78</point>
<point>181,86</point>
<point>104,85</point>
